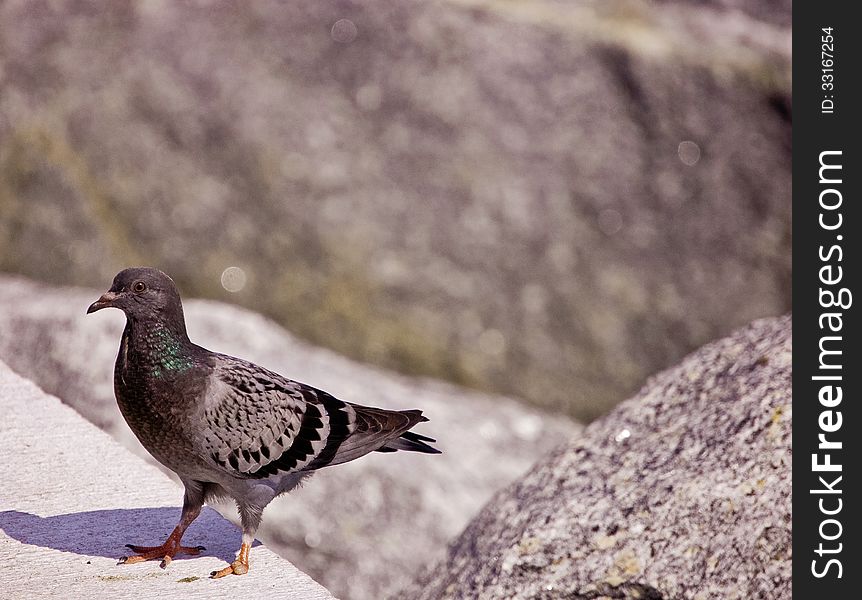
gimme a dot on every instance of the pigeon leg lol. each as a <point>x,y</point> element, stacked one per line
<point>250,511</point>
<point>171,547</point>
<point>237,567</point>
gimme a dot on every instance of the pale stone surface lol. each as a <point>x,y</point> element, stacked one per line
<point>683,492</point>
<point>71,498</point>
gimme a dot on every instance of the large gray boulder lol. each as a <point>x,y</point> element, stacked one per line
<point>683,492</point>
<point>362,529</point>
<point>466,189</point>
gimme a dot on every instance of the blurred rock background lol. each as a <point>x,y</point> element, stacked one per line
<point>548,199</point>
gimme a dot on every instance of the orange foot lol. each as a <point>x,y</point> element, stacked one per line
<point>166,552</point>
<point>237,567</point>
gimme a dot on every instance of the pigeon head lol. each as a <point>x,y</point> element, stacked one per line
<point>142,292</point>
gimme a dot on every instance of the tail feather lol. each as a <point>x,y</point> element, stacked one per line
<point>412,442</point>
<point>380,430</point>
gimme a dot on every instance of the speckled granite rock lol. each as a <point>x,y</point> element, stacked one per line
<point>362,529</point>
<point>682,492</point>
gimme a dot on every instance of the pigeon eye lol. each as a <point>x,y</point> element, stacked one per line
<point>139,286</point>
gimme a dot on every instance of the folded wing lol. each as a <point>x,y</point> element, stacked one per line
<point>260,424</point>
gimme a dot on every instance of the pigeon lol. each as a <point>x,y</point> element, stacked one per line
<point>226,426</point>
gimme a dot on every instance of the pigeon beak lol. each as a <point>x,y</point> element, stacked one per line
<point>105,301</point>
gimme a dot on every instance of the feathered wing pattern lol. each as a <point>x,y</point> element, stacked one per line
<point>260,424</point>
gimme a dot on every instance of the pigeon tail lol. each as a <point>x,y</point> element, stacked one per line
<point>408,440</point>
<point>412,442</point>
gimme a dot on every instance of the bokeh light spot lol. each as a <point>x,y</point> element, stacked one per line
<point>344,31</point>
<point>689,153</point>
<point>492,342</point>
<point>610,221</point>
<point>312,539</point>
<point>369,97</point>
<point>233,279</point>
<point>528,427</point>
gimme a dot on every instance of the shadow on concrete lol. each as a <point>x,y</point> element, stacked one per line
<point>106,532</point>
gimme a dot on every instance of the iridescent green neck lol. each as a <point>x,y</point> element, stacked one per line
<point>164,352</point>
<point>170,352</point>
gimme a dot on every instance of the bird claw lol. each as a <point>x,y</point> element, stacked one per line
<point>237,567</point>
<point>165,552</point>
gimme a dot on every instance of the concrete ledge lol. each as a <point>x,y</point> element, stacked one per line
<point>71,498</point>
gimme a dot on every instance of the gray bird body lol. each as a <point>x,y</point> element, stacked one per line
<point>226,426</point>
